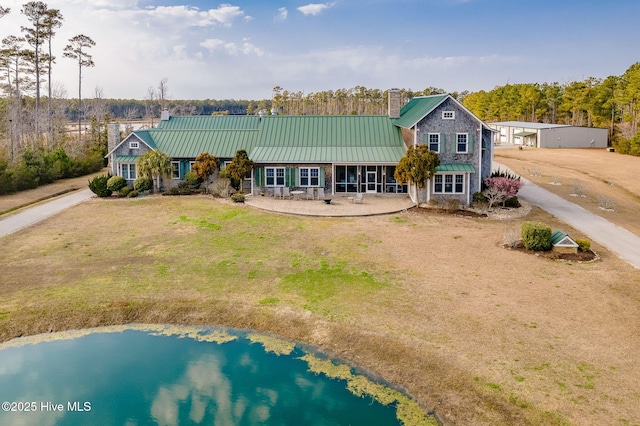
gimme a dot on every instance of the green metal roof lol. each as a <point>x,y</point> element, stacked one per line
<point>145,137</point>
<point>466,168</point>
<point>324,131</point>
<point>190,143</point>
<point>211,122</point>
<point>126,159</point>
<point>327,154</point>
<point>417,108</point>
<point>524,134</point>
<point>328,139</point>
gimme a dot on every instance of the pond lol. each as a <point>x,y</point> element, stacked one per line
<point>139,375</point>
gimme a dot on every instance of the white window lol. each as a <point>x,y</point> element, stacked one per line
<point>134,145</point>
<point>274,176</point>
<point>448,184</point>
<point>309,176</point>
<point>448,115</point>
<point>176,170</point>
<point>128,171</point>
<point>434,142</point>
<point>462,144</point>
<point>191,163</point>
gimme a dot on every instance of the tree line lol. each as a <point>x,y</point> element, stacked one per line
<point>612,103</point>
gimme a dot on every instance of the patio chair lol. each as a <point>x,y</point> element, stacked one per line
<point>286,192</point>
<point>310,194</point>
<point>320,193</point>
<point>357,199</point>
<point>277,192</point>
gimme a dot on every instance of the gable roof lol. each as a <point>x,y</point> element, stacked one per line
<point>417,108</point>
<point>208,122</point>
<point>561,239</point>
<point>190,143</point>
<point>328,139</point>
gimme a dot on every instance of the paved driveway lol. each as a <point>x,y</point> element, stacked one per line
<point>620,241</point>
<point>41,211</point>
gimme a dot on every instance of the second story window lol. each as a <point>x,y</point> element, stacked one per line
<point>462,143</point>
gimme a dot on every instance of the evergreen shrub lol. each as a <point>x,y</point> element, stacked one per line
<point>536,236</point>
<point>98,185</point>
<point>142,184</point>
<point>116,183</point>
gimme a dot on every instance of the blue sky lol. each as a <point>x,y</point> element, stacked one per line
<point>242,49</point>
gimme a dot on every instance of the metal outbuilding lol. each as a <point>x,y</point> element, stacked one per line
<point>542,135</point>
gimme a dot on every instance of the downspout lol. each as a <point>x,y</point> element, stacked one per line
<point>479,172</point>
<point>415,144</point>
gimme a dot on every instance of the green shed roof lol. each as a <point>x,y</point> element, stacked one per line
<point>414,110</point>
<point>145,137</point>
<point>467,168</point>
<point>327,154</point>
<point>126,159</point>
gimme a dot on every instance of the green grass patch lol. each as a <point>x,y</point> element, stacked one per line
<point>330,281</point>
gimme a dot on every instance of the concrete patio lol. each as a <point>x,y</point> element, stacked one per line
<point>373,204</point>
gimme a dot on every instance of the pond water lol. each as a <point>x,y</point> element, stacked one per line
<point>168,376</point>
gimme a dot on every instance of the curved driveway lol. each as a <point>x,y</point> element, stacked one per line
<point>620,241</point>
<point>41,211</point>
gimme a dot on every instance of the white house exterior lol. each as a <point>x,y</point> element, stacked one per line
<point>541,135</point>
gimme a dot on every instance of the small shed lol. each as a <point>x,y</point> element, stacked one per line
<point>563,243</point>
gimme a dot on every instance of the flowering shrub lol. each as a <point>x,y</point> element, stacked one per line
<point>500,189</point>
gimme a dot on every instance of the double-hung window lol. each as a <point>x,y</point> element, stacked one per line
<point>448,184</point>
<point>128,171</point>
<point>175,174</point>
<point>462,143</point>
<point>309,176</point>
<point>434,142</point>
<point>274,176</point>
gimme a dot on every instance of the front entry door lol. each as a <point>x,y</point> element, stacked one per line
<point>372,182</point>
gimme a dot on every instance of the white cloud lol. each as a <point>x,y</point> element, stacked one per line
<point>282,15</point>
<point>246,48</point>
<point>315,8</point>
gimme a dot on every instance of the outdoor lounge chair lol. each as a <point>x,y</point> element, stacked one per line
<point>357,199</point>
<point>277,192</point>
<point>320,193</point>
<point>286,192</point>
<point>310,194</point>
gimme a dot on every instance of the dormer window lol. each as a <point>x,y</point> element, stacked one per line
<point>448,115</point>
<point>134,145</point>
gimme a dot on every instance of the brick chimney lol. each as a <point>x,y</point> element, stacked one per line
<point>394,103</point>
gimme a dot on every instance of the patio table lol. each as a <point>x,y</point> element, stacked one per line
<point>297,194</point>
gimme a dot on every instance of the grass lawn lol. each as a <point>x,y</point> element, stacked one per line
<point>431,303</point>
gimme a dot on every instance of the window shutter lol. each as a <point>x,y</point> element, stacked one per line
<point>470,142</point>
<point>454,143</point>
<point>425,138</point>
<point>321,181</point>
<point>258,176</point>
<point>290,176</point>
<point>443,142</point>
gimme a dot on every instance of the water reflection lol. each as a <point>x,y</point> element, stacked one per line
<point>137,377</point>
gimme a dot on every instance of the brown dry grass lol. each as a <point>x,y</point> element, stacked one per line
<point>602,174</point>
<point>429,302</point>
